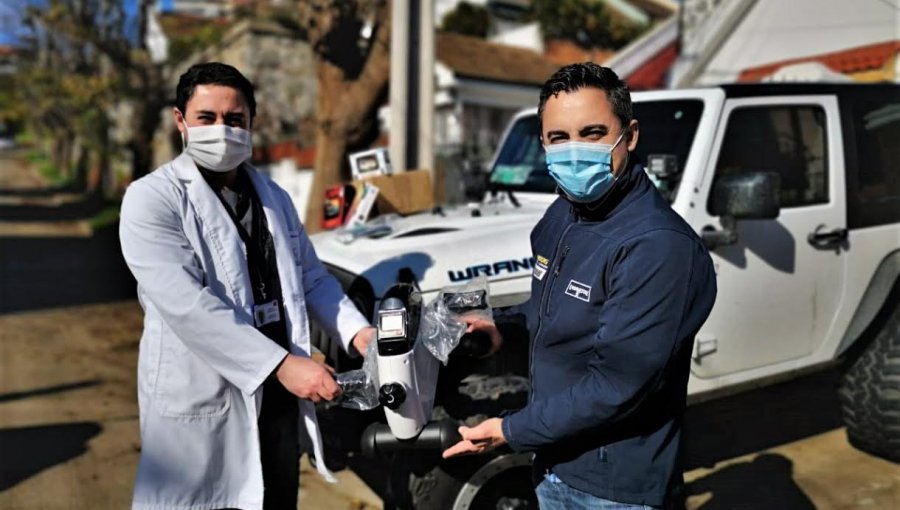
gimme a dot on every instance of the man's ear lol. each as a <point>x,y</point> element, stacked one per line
<point>179,120</point>
<point>632,135</point>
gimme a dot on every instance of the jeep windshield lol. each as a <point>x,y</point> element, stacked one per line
<point>667,130</point>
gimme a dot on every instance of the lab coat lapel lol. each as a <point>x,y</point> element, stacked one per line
<point>287,269</point>
<point>219,230</point>
<point>290,278</point>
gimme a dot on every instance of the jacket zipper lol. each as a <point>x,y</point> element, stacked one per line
<point>552,281</point>
<point>545,293</point>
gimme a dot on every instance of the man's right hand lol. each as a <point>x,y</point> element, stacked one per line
<point>307,378</point>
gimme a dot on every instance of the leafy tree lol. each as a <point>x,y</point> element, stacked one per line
<point>467,19</point>
<point>181,46</point>
<point>87,61</point>
<point>588,23</point>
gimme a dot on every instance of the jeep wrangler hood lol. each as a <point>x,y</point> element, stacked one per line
<point>450,246</point>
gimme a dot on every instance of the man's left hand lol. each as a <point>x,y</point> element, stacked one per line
<point>362,339</point>
<point>476,323</point>
<point>481,438</point>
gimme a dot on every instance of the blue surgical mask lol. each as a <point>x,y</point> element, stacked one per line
<point>583,170</point>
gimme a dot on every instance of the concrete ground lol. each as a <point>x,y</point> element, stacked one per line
<point>69,330</point>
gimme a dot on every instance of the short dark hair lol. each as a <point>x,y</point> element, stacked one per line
<point>213,73</point>
<point>588,74</point>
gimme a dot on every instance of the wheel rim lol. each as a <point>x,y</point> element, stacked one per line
<point>474,487</point>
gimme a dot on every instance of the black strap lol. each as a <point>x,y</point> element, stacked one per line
<point>260,247</point>
<point>261,259</point>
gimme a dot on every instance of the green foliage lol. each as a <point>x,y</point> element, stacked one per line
<point>467,19</point>
<point>289,19</point>
<point>82,65</point>
<point>25,138</point>
<point>46,169</point>
<point>34,156</point>
<point>181,47</point>
<point>68,79</point>
<point>107,216</point>
<point>588,23</point>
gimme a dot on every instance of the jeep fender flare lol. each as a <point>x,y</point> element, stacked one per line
<point>874,299</point>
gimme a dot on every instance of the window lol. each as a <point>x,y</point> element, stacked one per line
<point>788,140</point>
<point>667,128</point>
<point>879,152</point>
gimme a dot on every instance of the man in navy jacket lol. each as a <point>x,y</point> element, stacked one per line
<point>621,286</point>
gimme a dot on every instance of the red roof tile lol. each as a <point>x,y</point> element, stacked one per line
<point>563,52</point>
<point>862,58</point>
<point>652,73</point>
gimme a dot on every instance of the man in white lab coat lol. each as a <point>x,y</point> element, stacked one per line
<point>226,276</point>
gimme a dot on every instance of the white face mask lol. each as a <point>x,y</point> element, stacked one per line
<point>218,148</point>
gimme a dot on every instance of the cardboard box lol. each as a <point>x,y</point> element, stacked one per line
<point>403,193</point>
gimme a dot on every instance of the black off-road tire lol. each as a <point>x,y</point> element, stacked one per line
<point>870,391</point>
<point>496,481</point>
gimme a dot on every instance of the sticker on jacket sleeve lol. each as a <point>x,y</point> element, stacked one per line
<point>579,290</point>
<point>541,264</point>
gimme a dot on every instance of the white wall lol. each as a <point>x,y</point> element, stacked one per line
<point>297,182</point>
<point>776,30</point>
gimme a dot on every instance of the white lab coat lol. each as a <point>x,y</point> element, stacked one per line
<point>202,363</point>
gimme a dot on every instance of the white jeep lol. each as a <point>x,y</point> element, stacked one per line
<point>795,188</point>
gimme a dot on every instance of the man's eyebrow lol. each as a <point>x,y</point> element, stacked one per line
<point>227,114</point>
<point>556,132</point>
<point>591,127</point>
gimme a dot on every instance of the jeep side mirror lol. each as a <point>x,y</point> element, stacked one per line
<point>745,196</point>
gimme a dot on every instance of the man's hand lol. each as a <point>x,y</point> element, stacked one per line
<point>481,438</point>
<point>307,378</point>
<point>477,323</point>
<point>362,339</point>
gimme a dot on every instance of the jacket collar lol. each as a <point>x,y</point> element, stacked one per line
<point>628,185</point>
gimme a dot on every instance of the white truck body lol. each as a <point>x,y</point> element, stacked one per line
<point>782,305</point>
<point>817,285</point>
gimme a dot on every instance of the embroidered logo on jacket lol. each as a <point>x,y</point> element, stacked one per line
<point>579,290</point>
<point>540,267</point>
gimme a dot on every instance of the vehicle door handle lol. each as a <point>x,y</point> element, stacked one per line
<point>822,240</point>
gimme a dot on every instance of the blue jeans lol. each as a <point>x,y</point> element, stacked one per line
<point>555,494</point>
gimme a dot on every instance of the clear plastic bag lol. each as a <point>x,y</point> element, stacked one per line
<point>451,305</point>
<point>360,387</point>
<point>440,328</point>
<point>471,298</point>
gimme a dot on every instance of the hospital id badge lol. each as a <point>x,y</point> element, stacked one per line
<point>266,313</point>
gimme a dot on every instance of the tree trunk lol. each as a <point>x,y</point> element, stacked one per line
<point>150,100</point>
<point>345,109</point>
<point>331,142</point>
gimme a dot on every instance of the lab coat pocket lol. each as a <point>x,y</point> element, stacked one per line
<point>188,387</point>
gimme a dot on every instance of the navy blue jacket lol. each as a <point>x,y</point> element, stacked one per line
<point>618,294</point>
